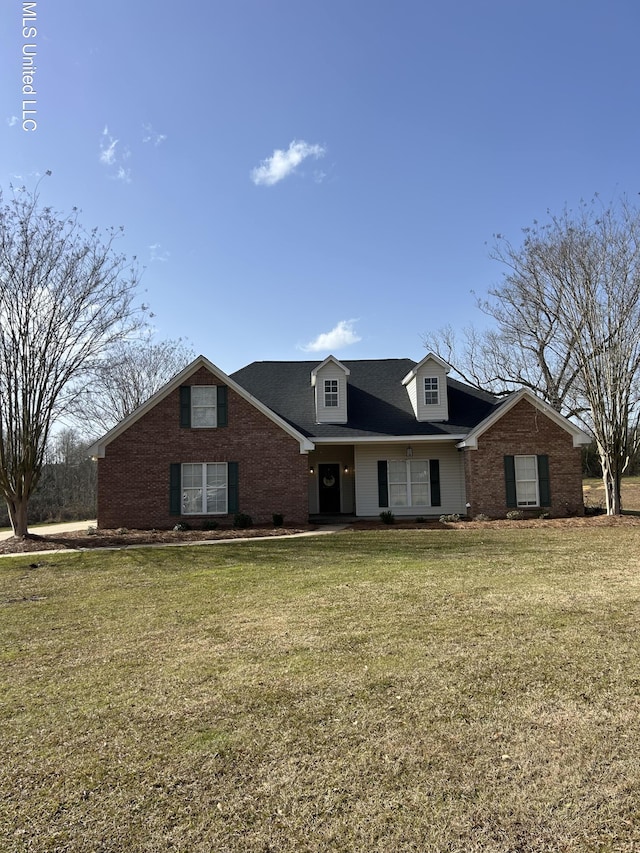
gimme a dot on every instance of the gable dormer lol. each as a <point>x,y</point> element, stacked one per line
<point>426,386</point>
<point>329,380</point>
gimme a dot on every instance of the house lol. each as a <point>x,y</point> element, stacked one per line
<point>305,438</point>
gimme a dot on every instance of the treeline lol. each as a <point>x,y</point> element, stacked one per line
<point>68,482</point>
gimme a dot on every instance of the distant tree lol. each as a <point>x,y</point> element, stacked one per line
<point>65,297</point>
<point>567,318</point>
<point>129,373</point>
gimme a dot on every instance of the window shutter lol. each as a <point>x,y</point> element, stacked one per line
<point>233,495</point>
<point>434,477</point>
<point>222,405</point>
<point>175,488</point>
<point>185,405</point>
<point>543,481</point>
<point>383,483</point>
<point>510,480</point>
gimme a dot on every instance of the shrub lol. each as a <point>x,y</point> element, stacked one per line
<point>481,517</point>
<point>387,517</point>
<point>545,515</point>
<point>91,530</point>
<point>210,524</point>
<point>121,531</point>
<point>278,519</point>
<point>515,515</point>
<point>181,526</point>
<point>420,519</point>
<point>241,519</point>
<point>452,518</point>
<point>594,509</point>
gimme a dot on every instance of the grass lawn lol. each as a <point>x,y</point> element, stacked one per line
<point>454,690</point>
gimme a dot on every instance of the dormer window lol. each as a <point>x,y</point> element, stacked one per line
<point>431,392</point>
<point>331,393</point>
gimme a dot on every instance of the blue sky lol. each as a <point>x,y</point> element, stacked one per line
<point>299,178</point>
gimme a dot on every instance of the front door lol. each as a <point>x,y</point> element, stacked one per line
<point>329,487</point>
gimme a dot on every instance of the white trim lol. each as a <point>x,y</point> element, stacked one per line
<point>429,357</point>
<point>393,439</point>
<point>580,437</point>
<point>99,447</point>
<point>328,360</point>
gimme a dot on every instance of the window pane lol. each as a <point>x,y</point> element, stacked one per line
<point>526,467</point>
<point>397,472</point>
<point>191,501</point>
<point>419,471</point>
<point>203,395</point>
<point>398,495</point>
<point>420,495</point>
<point>191,475</point>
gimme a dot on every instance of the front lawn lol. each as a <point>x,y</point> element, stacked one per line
<point>436,690</point>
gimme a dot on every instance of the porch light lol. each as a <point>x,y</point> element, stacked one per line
<point>311,470</point>
<point>346,469</point>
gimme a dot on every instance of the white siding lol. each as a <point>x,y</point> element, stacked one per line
<point>452,487</point>
<point>331,414</point>
<point>415,389</point>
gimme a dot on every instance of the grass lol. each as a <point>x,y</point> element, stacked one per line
<point>373,691</point>
<point>594,494</point>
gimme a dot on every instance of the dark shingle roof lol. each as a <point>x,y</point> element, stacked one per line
<point>377,402</point>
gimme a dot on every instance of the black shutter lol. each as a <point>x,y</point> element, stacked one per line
<point>434,477</point>
<point>185,405</point>
<point>543,481</point>
<point>175,488</point>
<point>222,405</point>
<point>510,480</point>
<point>383,483</point>
<point>233,491</point>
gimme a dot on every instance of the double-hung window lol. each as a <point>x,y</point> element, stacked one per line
<point>526,471</point>
<point>409,482</point>
<point>527,480</point>
<point>203,406</point>
<point>204,488</point>
<point>431,392</point>
<point>331,393</point>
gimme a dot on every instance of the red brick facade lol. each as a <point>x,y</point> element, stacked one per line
<point>133,476</point>
<point>524,430</point>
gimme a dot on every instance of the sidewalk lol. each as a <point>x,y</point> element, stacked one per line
<point>46,529</point>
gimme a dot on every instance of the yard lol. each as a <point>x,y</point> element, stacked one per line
<point>393,690</point>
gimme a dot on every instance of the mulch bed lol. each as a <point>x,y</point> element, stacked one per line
<point>103,538</point>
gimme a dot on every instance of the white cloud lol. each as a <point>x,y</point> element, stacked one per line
<point>113,157</point>
<point>283,163</point>
<point>153,136</point>
<point>12,121</point>
<point>157,253</point>
<point>342,335</point>
<point>107,148</point>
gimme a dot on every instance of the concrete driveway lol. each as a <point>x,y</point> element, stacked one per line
<point>45,529</point>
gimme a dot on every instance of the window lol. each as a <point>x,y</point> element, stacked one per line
<point>203,406</point>
<point>526,471</point>
<point>331,393</point>
<point>204,488</point>
<point>431,394</point>
<point>409,482</point>
<point>527,480</point>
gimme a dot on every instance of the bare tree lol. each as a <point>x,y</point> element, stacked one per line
<point>128,374</point>
<point>568,326</point>
<point>65,297</point>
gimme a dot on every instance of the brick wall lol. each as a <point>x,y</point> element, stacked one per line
<point>133,477</point>
<point>523,430</point>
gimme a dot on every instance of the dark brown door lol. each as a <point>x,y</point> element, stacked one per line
<point>329,488</point>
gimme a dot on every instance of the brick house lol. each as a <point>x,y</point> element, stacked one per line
<point>355,438</point>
